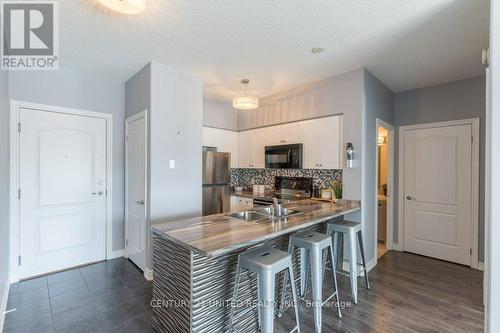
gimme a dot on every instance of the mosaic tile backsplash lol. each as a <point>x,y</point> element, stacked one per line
<point>249,177</point>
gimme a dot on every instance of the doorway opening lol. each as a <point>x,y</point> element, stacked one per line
<point>384,187</point>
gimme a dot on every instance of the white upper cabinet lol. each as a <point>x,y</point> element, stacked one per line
<point>209,137</point>
<point>292,133</point>
<point>261,139</point>
<point>310,138</point>
<point>246,148</point>
<point>322,140</point>
<point>285,134</point>
<point>275,134</point>
<point>251,148</point>
<point>330,142</point>
<point>227,141</point>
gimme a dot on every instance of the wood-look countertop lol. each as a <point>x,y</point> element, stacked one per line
<point>219,234</point>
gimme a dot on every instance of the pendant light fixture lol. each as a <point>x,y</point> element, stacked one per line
<point>243,100</point>
<point>130,7</point>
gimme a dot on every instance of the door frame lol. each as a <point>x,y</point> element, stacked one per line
<point>474,225</point>
<point>143,114</point>
<point>390,188</point>
<point>15,106</point>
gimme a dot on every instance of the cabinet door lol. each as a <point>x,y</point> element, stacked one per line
<point>292,133</point>
<point>276,136</point>
<point>329,143</point>
<point>228,143</point>
<point>246,148</point>
<point>310,138</point>
<point>260,141</point>
<point>209,137</point>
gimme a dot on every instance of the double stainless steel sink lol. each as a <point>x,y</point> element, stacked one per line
<point>263,214</point>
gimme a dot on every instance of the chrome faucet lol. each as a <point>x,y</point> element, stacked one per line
<point>278,208</point>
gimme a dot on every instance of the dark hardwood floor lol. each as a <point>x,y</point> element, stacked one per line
<point>409,293</point>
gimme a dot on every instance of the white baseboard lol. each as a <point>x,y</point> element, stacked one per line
<point>396,247</point>
<point>116,254</point>
<point>480,266</point>
<point>3,307</point>
<point>148,274</point>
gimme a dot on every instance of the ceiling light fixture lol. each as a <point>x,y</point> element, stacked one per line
<point>130,7</point>
<point>244,101</point>
<point>317,49</point>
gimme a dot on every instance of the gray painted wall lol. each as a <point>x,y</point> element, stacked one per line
<point>4,181</point>
<point>76,90</point>
<point>450,101</point>
<point>377,103</point>
<point>219,114</point>
<point>138,92</point>
<point>175,130</point>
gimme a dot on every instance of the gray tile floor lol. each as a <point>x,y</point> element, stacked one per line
<point>409,293</point>
<point>110,296</point>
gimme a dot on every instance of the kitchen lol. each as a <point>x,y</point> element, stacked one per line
<point>194,178</point>
<point>309,148</point>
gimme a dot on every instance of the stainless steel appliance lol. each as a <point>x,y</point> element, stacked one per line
<point>216,178</point>
<point>284,156</point>
<point>287,189</point>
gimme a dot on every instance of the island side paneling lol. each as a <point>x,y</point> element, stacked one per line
<point>193,292</point>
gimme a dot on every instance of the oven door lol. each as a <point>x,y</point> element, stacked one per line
<point>284,157</point>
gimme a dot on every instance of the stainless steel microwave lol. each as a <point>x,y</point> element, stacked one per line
<point>284,156</point>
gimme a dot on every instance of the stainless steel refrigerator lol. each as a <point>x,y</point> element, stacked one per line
<point>216,178</point>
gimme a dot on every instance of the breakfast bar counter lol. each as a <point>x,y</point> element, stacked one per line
<point>194,264</point>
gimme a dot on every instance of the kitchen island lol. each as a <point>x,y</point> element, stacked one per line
<point>194,263</point>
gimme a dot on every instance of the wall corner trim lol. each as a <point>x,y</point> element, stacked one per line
<point>3,305</point>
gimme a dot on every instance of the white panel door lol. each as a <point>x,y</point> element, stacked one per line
<point>63,191</point>
<point>135,164</point>
<point>438,192</point>
<point>227,142</point>
<point>329,143</point>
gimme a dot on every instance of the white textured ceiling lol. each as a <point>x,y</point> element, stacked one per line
<point>405,43</point>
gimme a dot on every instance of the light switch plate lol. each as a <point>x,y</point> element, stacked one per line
<point>172,164</point>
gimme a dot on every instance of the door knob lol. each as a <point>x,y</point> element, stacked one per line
<point>141,202</point>
<point>409,198</point>
<point>98,193</point>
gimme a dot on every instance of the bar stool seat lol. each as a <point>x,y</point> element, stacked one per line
<point>351,229</point>
<point>312,245</point>
<point>266,262</point>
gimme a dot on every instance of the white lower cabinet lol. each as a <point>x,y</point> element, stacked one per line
<point>240,203</point>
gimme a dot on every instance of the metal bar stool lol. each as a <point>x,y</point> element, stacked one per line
<point>339,229</point>
<point>312,245</point>
<point>266,262</point>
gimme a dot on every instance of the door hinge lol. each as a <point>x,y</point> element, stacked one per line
<point>470,251</point>
<point>19,194</point>
<point>19,127</point>
<point>19,260</point>
<point>126,242</point>
<point>471,139</point>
